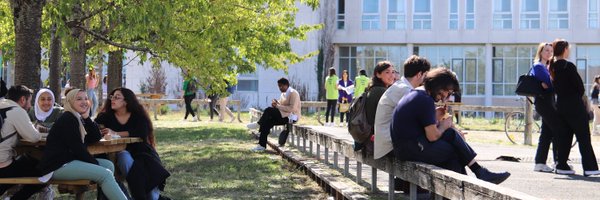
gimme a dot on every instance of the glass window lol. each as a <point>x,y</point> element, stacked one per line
<point>530,14</point>
<point>558,14</point>
<point>366,57</point>
<point>247,85</point>
<point>422,14</point>
<point>370,16</point>
<point>508,63</point>
<point>396,15</point>
<point>593,13</point>
<point>453,17</point>
<point>502,15</point>
<point>588,63</point>
<point>470,14</point>
<point>341,14</point>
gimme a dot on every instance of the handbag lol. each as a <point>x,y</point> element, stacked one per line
<point>344,107</point>
<point>529,85</point>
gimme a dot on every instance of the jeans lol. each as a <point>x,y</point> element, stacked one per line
<point>188,105</point>
<point>101,174</point>
<point>124,163</point>
<point>92,97</point>
<point>331,103</point>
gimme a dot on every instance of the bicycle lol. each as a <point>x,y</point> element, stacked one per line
<point>514,125</point>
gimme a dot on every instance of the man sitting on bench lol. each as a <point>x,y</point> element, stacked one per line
<point>16,125</point>
<point>282,111</point>
<point>421,132</point>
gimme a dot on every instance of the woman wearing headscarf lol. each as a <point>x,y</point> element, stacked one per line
<point>66,156</point>
<point>44,112</point>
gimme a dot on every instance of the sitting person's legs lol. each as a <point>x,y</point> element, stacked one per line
<point>103,175</point>
<point>22,167</point>
<point>271,117</point>
<point>124,163</point>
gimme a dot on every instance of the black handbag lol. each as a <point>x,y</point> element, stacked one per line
<point>529,85</point>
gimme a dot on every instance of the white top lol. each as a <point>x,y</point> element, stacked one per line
<point>383,116</point>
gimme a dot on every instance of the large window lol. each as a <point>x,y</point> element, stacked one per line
<point>396,15</point>
<point>370,15</point>
<point>508,63</point>
<point>502,15</point>
<point>530,14</point>
<point>453,15</point>
<point>588,63</point>
<point>468,62</point>
<point>593,13</point>
<point>422,14</point>
<point>470,14</point>
<point>558,14</point>
<point>247,82</point>
<point>341,14</point>
<point>355,58</point>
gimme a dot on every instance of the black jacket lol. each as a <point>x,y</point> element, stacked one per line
<point>146,172</point>
<point>64,144</point>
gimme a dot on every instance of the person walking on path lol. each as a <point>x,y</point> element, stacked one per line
<point>189,94</point>
<point>91,81</point>
<point>421,132</point>
<point>223,102</point>
<point>545,107</point>
<point>282,111</point>
<point>360,83</point>
<point>345,89</point>
<point>570,92</point>
<point>594,95</point>
<point>331,94</point>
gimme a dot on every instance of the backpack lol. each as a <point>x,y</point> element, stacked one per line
<point>191,86</point>
<point>2,118</point>
<point>358,126</point>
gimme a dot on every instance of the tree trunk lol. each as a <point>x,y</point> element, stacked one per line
<point>77,55</point>
<point>54,64</point>
<point>28,31</point>
<point>115,68</point>
<point>99,69</point>
<point>328,49</point>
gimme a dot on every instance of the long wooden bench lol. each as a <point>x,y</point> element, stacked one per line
<point>441,182</point>
<point>77,187</point>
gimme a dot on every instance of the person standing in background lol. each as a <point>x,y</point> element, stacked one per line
<point>594,95</point>
<point>91,81</point>
<point>223,102</point>
<point>189,94</point>
<point>360,83</point>
<point>331,85</point>
<point>345,90</point>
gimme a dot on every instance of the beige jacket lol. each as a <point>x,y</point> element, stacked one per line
<point>289,103</point>
<point>17,120</point>
<point>383,116</point>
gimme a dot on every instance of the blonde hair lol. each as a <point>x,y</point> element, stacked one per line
<point>538,55</point>
<point>70,98</point>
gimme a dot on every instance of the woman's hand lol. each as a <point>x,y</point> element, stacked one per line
<point>544,85</point>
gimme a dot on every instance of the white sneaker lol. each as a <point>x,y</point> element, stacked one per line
<point>195,119</point>
<point>333,124</point>
<point>258,148</point>
<point>569,171</point>
<point>591,173</point>
<point>542,168</point>
<point>253,126</point>
<point>326,124</point>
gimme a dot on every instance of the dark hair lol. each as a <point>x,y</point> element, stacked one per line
<point>415,64</point>
<point>363,72</point>
<point>283,81</point>
<point>439,79</point>
<point>331,71</point>
<point>347,75</point>
<point>17,91</point>
<point>596,78</point>
<point>134,107</point>
<point>379,68</point>
<point>559,46</point>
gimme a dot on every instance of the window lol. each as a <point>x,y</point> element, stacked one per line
<point>370,16</point>
<point>453,15</point>
<point>558,14</point>
<point>502,16</point>
<point>468,62</point>
<point>530,14</point>
<point>396,15</point>
<point>341,14</point>
<point>422,14</point>
<point>588,63</point>
<point>247,85</point>
<point>355,58</point>
<point>508,63</point>
<point>470,14</point>
<point>593,14</point>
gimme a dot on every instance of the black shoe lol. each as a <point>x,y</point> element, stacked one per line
<point>358,146</point>
<point>492,177</point>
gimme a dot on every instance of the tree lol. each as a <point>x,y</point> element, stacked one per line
<point>27,16</point>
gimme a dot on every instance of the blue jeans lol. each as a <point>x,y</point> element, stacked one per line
<point>92,96</point>
<point>124,163</point>
<point>102,174</point>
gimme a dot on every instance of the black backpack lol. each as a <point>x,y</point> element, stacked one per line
<point>358,126</point>
<point>2,118</point>
<point>191,86</point>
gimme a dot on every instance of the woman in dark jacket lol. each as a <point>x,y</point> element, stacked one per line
<point>124,116</point>
<point>66,156</point>
<point>569,103</point>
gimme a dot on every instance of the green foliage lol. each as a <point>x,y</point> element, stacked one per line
<point>164,109</point>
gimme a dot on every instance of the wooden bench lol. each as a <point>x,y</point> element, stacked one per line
<point>441,182</point>
<point>77,187</point>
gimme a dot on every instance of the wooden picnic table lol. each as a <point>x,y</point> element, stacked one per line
<point>101,147</point>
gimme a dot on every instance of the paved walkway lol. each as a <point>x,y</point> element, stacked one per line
<point>524,179</point>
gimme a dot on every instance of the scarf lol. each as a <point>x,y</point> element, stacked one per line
<point>41,115</point>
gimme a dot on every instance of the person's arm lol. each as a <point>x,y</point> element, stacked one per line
<point>93,132</point>
<point>292,105</point>
<point>540,73</point>
<point>70,134</point>
<point>576,80</point>
<point>433,132</point>
<point>23,126</point>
